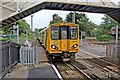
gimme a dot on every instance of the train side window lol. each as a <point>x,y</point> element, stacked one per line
<point>55,32</point>
<point>74,32</point>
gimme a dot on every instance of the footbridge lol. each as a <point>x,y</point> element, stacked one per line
<point>13,10</point>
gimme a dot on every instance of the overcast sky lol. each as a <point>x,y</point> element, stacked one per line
<point>42,18</point>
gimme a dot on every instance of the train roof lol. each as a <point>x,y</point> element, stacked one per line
<point>44,29</point>
<point>60,23</point>
<point>64,23</point>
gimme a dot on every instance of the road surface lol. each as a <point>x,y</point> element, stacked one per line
<point>95,49</point>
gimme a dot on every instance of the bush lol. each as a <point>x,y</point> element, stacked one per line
<point>105,37</point>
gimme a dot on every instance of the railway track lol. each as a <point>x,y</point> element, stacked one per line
<point>104,62</point>
<point>74,69</point>
<point>90,76</point>
<point>68,71</point>
<point>110,60</point>
<point>110,69</point>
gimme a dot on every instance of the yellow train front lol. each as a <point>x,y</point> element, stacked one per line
<point>61,40</point>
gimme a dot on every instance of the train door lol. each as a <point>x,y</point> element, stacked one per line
<point>64,37</point>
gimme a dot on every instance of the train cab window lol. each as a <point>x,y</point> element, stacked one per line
<point>74,32</point>
<point>63,32</point>
<point>55,32</point>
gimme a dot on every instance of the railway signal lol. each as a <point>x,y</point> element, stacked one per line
<point>116,31</point>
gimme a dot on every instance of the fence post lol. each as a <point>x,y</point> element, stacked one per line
<point>118,56</point>
<point>37,55</point>
<point>33,55</point>
<point>21,56</point>
<point>26,55</point>
<point>1,62</point>
<point>9,55</point>
<point>108,51</point>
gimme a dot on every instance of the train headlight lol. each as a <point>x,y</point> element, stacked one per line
<point>54,47</point>
<point>75,45</point>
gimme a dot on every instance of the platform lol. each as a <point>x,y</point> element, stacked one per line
<point>42,57</point>
<point>19,71</point>
<point>41,71</point>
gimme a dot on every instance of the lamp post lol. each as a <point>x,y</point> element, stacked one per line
<point>32,29</point>
<point>32,22</point>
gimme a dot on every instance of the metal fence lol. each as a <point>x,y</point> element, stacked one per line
<point>112,51</point>
<point>9,56</point>
<point>27,56</point>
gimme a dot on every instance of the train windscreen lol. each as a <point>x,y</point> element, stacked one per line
<point>54,32</point>
<point>63,32</point>
<point>74,33</point>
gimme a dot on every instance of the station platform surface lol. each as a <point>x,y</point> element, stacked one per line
<point>44,71</point>
<point>41,54</point>
<point>39,72</point>
<point>19,71</point>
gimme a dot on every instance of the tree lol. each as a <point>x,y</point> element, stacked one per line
<point>36,31</point>
<point>41,29</point>
<point>56,19</point>
<point>23,25</point>
<point>83,21</point>
<point>96,32</point>
<point>6,30</point>
<point>107,24</point>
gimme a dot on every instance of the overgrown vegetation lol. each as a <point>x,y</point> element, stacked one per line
<point>23,26</point>
<point>105,37</point>
<point>56,19</point>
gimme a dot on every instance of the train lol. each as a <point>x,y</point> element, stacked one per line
<point>61,40</point>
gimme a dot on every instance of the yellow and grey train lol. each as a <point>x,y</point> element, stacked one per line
<point>61,40</point>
